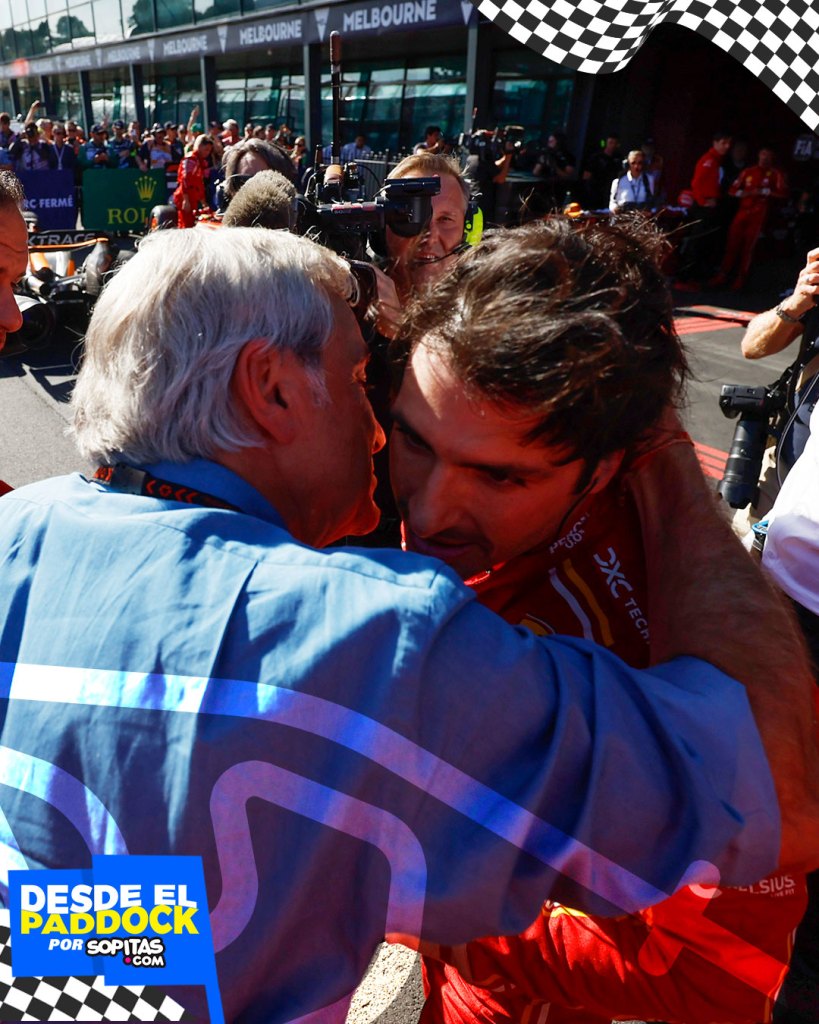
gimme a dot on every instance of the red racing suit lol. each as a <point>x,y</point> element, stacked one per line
<point>756,187</point>
<point>191,183</point>
<point>705,184</point>
<point>705,954</point>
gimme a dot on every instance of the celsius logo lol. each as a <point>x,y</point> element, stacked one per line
<point>774,885</point>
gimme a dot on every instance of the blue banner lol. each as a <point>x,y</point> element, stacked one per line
<point>51,196</point>
<point>135,920</point>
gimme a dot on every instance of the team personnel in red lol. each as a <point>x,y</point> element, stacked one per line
<point>707,215</point>
<point>755,187</point>
<point>516,457</point>
<point>706,184</point>
<point>190,191</point>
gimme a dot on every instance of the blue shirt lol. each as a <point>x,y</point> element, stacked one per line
<point>352,743</point>
<point>351,151</point>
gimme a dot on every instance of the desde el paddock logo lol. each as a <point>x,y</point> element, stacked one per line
<point>66,913</point>
<point>135,920</point>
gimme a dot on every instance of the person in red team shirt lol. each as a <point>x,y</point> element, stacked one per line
<point>530,402</point>
<point>191,192</point>
<point>755,187</point>
<point>708,216</point>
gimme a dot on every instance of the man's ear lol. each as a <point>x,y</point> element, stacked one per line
<point>266,383</point>
<point>605,470</point>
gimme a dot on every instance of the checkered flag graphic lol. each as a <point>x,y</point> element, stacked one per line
<point>48,999</point>
<point>777,40</point>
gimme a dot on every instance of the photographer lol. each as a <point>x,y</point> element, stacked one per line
<point>415,263</point>
<point>773,331</point>
<point>486,167</point>
<point>433,141</point>
<point>556,165</point>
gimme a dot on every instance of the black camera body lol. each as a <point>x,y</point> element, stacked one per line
<point>759,410</point>
<point>487,144</point>
<point>334,213</point>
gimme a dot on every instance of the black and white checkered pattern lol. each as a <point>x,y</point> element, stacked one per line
<point>48,999</point>
<point>777,40</point>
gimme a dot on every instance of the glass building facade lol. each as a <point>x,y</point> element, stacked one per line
<point>394,83</point>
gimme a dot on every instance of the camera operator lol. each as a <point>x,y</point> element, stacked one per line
<point>486,167</point>
<point>414,263</point>
<point>557,166</point>
<point>773,331</point>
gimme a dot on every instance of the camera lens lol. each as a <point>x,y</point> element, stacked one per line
<point>740,482</point>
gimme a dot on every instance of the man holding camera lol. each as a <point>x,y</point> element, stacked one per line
<point>527,426</point>
<point>216,686</point>
<point>417,262</point>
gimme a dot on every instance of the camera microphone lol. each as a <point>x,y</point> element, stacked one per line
<point>461,247</point>
<point>267,200</point>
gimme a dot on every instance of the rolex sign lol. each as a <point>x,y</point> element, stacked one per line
<point>121,199</point>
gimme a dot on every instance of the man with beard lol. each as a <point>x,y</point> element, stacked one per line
<point>532,416</point>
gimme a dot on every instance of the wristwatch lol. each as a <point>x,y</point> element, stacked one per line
<point>784,315</point>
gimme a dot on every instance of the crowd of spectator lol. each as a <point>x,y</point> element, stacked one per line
<point>199,159</point>
<point>730,198</point>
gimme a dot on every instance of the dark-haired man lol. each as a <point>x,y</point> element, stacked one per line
<point>708,216</point>
<point>433,141</point>
<point>538,370</point>
<point>30,152</point>
<point>96,152</point>
<point>603,165</point>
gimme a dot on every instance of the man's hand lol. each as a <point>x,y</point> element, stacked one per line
<point>387,305</point>
<point>807,287</point>
<point>768,333</point>
<point>707,598</point>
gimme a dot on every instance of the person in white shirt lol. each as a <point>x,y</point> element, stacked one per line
<point>633,189</point>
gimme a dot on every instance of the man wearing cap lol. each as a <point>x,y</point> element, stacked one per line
<point>30,152</point>
<point>172,138</point>
<point>122,147</point>
<point>96,152</point>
